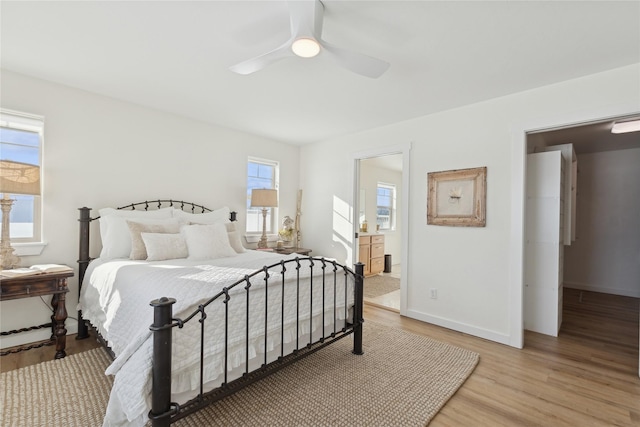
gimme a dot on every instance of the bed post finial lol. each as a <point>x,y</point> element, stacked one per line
<point>358,309</point>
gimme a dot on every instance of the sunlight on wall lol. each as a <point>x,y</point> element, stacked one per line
<point>342,226</point>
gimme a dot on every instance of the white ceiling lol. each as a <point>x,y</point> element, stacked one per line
<point>174,56</point>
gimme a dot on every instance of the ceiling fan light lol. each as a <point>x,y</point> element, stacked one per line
<point>624,127</point>
<point>305,47</point>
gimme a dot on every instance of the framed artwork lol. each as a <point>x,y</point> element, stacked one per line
<point>457,197</point>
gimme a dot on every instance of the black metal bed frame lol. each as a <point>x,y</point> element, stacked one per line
<point>163,411</point>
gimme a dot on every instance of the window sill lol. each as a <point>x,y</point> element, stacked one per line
<point>28,249</point>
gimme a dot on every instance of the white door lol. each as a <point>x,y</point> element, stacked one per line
<point>544,247</point>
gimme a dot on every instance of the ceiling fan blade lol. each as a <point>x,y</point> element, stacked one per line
<point>359,63</point>
<point>259,62</point>
<point>306,22</point>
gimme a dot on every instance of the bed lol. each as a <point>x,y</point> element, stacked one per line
<point>190,316</point>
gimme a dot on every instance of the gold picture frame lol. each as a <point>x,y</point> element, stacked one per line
<point>457,197</point>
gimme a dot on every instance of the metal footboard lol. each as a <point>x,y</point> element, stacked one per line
<point>164,412</point>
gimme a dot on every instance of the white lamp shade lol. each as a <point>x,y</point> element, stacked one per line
<point>19,178</point>
<point>264,198</point>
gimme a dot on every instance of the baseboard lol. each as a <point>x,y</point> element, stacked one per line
<point>461,327</point>
<point>635,293</point>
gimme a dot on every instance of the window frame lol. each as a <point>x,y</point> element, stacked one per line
<point>272,215</point>
<point>26,122</point>
<point>391,206</point>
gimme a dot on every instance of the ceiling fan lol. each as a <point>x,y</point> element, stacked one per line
<point>306,42</point>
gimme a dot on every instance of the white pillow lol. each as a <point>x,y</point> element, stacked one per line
<point>136,228</point>
<point>234,238</point>
<point>217,216</point>
<point>117,242</point>
<point>114,232</point>
<point>161,246</point>
<point>207,241</point>
<point>213,217</point>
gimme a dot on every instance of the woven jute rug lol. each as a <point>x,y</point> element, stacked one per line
<point>375,286</point>
<point>402,380</point>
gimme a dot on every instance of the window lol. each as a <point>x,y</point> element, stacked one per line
<point>386,206</point>
<point>261,174</point>
<point>21,141</point>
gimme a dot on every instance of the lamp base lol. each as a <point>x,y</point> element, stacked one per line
<point>262,244</point>
<point>8,259</point>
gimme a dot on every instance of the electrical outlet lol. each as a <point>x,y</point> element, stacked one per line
<point>433,293</point>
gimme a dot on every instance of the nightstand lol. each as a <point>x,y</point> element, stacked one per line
<point>289,251</point>
<point>38,285</point>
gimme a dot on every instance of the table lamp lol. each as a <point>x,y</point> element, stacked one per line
<point>264,198</point>
<point>15,178</point>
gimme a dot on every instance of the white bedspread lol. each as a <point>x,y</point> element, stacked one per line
<point>115,297</point>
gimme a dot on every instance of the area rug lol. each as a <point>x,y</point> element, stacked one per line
<point>375,286</point>
<point>402,380</point>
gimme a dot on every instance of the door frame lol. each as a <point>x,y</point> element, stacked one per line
<point>518,198</point>
<point>403,149</point>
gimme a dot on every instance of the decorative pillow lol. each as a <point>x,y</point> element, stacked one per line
<point>213,217</point>
<point>114,232</point>
<point>161,246</point>
<point>207,241</point>
<point>138,250</point>
<point>234,238</point>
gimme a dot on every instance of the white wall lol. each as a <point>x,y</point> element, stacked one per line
<point>477,271</point>
<point>102,152</point>
<point>606,254</point>
<point>370,175</point>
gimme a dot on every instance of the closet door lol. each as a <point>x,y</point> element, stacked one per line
<point>544,239</point>
<point>570,185</point>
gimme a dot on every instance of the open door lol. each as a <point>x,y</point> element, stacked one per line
<point>544,243</point>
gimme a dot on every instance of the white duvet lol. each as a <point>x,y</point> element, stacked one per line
<point>116,294</point>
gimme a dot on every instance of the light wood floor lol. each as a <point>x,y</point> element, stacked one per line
<point>37,355</point>
<point>588,376</point>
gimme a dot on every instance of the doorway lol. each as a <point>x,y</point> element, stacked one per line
<point>598,264</point>
<point>380,224</point>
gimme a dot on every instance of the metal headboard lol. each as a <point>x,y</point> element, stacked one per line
<point>85,220</point>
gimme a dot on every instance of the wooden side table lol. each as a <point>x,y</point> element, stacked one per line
<point>38,285</point>
<point>289,251</point>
